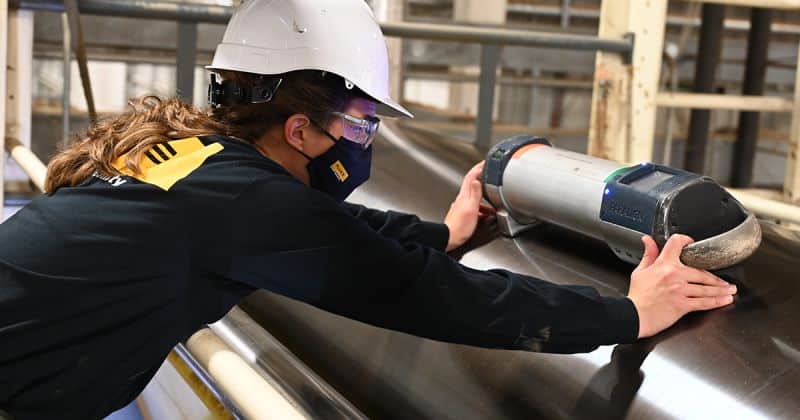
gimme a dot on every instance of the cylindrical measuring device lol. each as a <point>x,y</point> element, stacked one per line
<point>529,181</point>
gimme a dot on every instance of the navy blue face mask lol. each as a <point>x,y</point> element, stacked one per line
<point>341,169</point>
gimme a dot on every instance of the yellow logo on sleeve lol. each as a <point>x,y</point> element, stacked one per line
<point>340,172</point>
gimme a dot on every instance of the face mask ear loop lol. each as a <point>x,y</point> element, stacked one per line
<point>330,136</point>
<point>304,155</point>
<point>324,131</point>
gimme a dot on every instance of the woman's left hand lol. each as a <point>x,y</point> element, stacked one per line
<point>466,210</point>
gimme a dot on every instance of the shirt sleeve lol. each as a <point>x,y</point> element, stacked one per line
<point>404,227</point>
<point>296,241</point>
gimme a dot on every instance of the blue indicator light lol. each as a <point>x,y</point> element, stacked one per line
<point>608,191</point>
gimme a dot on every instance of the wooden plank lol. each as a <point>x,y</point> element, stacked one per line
<point>765,4</point>
<point>608,126</point>
<point>791,184</point>
<point>730,102</point>
<point>647,20</point>
<point>623,102</point>
<point>3,66</point>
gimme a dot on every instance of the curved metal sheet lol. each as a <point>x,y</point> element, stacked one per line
<point>742,361</point>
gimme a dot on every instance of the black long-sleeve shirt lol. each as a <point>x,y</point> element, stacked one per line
<point>99,281</point>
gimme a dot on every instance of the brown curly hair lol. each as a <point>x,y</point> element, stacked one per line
<point>150,120</point>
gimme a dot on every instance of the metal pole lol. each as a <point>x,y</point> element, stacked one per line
<point>187,60</point>
<point>708,55</point>
<point>744,151</point>
<point>490,57</point>
<point>67,88</point>
<point>565,13</point>
<point>200,13</point>
<point>73,14</point>
<point>144,9</point>
<point>484,35</point>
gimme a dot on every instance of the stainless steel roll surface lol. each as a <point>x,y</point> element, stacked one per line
<point>738,362</point>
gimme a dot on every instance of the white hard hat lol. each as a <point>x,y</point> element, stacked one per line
<point>337,36</point>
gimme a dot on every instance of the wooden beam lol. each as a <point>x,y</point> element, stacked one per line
<point>623,102</point>
<point>19,87</point>
<point>647,20</point>
<point>730,102</point>
<point>3,65</point>
<point>608,127</point>
<point>791,184</point>
<point>765,4</point>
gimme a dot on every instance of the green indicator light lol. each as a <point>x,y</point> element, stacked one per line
<point>617,172</point>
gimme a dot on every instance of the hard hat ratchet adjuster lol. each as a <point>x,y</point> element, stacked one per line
<point>229,92</point>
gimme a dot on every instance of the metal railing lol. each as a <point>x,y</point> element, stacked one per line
<point>491,39</point>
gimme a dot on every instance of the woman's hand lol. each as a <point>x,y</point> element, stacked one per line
<point>466,210</point>
<point>663,289</point>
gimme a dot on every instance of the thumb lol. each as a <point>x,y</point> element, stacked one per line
<point>650,253</point>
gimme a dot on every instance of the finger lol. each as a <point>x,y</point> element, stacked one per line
<point>696,291</point>
<point>476,171</point>
<point>650,253</point>
<point>706,303</point>
<point>466,184</point>
<point>488,210</point>
<point>704,277</point>
<point>672,250</point>
<point>475,194</point>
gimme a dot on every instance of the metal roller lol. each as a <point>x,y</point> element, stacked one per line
<point>529,181</point>
<point>740,362</point>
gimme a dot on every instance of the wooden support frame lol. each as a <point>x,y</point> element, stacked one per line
<point>624,99</point>
<point>765,4</point>
<point>3,65</point>
<point>19,75</point>
<point>608,126</point>
<point>731,102</point>
<point>647,22</point>
<point>791,184</point>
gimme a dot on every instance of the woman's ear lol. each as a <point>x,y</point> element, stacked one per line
<point>295,131</point>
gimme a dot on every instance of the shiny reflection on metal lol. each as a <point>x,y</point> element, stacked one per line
<point>431,162</point>
<point>736,362</point>
<point>278,366</point>
<point>727,249</point>
<point>208,381</point>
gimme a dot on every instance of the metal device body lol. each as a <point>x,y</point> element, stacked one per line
<point>741,362</point>
<point>530,181</point>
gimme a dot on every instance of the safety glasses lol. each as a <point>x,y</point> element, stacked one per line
<point>359,130</point>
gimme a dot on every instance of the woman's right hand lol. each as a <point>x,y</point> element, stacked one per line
<point>663,289</point>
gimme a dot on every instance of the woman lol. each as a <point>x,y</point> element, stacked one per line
<point>158,221</point>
